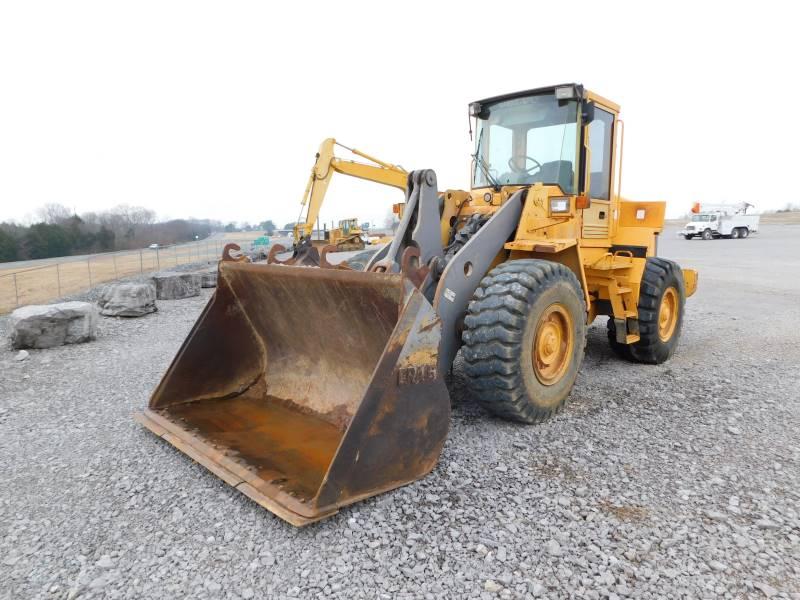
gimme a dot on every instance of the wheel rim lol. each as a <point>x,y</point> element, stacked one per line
<point>668,314</point>
<point>552,344</point>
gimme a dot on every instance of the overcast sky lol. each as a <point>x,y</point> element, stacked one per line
<point>215,110</point>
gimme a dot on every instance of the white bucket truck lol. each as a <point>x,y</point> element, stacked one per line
<point>720,220</point>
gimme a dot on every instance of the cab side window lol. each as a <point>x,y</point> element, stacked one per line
<point>601,131</point>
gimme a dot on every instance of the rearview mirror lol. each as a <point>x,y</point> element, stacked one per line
<point>479,111</point>
<point>587,110</point>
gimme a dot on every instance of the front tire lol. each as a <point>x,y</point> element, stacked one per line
<point>688,237</point>
<point>707,235</point>
<point>524,339</point>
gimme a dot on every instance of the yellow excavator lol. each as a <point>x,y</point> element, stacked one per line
<point>348,236</point>
<point>511,272</point>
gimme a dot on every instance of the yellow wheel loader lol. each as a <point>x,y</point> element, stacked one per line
<point>511,272</point>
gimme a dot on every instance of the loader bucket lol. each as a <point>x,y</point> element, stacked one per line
<point>307,389</point>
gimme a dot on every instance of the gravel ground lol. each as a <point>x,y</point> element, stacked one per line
<point>671,481</point>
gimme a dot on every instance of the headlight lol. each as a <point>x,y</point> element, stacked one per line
<point>559,205</point>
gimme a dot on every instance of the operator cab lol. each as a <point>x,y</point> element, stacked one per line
<point>535,137</point>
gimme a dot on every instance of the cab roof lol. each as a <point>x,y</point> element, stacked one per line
<point>580,92</point>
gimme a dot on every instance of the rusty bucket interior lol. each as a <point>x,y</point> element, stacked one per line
<point>306,388</point>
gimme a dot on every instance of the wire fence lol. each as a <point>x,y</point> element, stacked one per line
<point>37,284</point>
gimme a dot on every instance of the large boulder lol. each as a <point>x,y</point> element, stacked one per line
<point>208,279</point>
<point>175,286</point>
<point>127,300</point>
<point>45,326</point>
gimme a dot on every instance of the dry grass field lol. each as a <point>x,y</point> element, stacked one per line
<point>784,218</point>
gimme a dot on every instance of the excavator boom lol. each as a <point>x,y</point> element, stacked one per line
<point>325,165</point>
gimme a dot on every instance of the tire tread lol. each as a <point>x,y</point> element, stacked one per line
<point>650,349</point>
<point>493,335</point>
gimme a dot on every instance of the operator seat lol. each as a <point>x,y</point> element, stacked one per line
<point>554,172</point>
<point>557,171</point>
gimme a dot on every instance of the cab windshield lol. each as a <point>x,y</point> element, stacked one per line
<point>527,140</point>
<point>704,218</point>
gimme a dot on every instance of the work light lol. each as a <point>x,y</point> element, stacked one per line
<point>559,204</point>
<point>565,92</point>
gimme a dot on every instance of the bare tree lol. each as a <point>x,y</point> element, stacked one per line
<point>53,213</point>
<point>129,223</point>
<point>91,218</point>
<point>138,215</point>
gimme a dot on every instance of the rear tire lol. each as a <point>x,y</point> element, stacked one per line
<point>734,233</point>
<point>707,235</point>
<point>744,232</point>
<point>524,339</point>
<point>662,298</point>
<point>464,235</point>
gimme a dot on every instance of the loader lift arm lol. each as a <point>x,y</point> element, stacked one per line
<point>325,165</point>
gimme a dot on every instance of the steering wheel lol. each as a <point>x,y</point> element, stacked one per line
<point>515,169</point>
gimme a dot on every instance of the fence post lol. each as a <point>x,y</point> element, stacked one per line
<point>158,258</point>
<point>89,268</point>
<point>114,258</point>
<point>58,278</point>
<point>16,291</point>
<point>141,266</point>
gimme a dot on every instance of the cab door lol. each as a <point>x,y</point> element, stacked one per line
<point>597,218</point>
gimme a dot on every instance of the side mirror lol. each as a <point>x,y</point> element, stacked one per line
<point>479,111</point>
<point>587,112</point>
